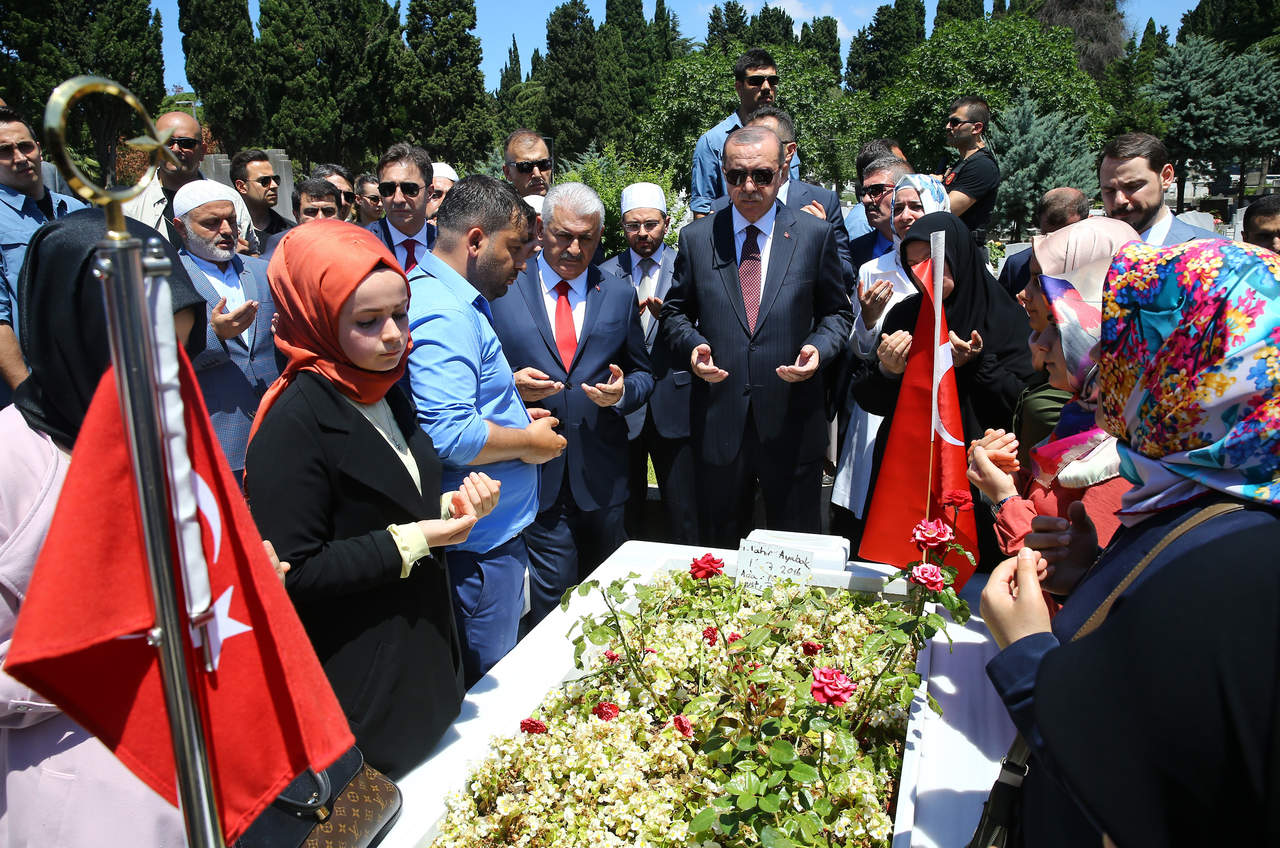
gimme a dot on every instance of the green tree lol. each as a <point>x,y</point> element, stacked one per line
<point>717,33</point>
<point>296,43</point>
<point>822,36</point>
<point>614,88</point>
<point>222,67</point>
<point>609,172</point>
<point>535,65</point>
<point>1039,150</point>
<point>665,44</point>
<point>998,9</point>
<point>957,10</point>
<point>877,52</point>
<point>573,100</point>
<point>736,25</point>
<point>511,76</point>
<point>1238,23</point>
<point>1126,77</point>
<point>772,26</point>
<point>1098,26</point>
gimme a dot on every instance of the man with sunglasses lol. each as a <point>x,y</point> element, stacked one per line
<point>973,179</point>
<point>340,178</point>
<point>404,182</point>
<point>758,306</point>
<point>25,204</point>
<point>255,179</point>
<point>876,194</point>
<point>154,206</point>
<point>756,81</point>
<point>368,201</point>
<point>527,163</point>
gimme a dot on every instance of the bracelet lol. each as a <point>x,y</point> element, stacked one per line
<point>1000,504</point>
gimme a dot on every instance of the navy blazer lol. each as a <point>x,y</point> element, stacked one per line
<point>382,229</point>
<point>803,301</point>
<point>234,374</point>
<point>1016,272</point>
<point>669,403</point>
<point>595,459</point>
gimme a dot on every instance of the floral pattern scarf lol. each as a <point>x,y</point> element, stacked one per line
<point>1190,372</point>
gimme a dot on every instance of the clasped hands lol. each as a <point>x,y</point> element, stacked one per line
<point>896,346</point>
<point>533,386</point>
<point>805,366</point>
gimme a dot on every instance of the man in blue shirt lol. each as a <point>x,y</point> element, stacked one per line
<point>25,204</point>
<point>467,402</point>
<point>756,80</point>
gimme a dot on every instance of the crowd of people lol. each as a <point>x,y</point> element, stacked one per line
<point>439,395</point>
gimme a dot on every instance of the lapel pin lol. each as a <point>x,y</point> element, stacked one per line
<point>786,234</point>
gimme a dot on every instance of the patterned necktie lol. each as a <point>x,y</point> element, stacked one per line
<point>749,275</point>
<point>410,257</point>
<point>644,291</point>
<point>566,335</point>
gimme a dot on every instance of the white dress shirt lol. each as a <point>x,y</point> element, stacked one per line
<point>577,295</point>
<point>226,283</point>
<point>399,238</point>
<point>764,240</point>
<point>636,259</point>
<point>1159,231</point>
<point>784,191</point>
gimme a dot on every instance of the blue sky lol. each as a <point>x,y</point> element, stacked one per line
<point>498,20</point>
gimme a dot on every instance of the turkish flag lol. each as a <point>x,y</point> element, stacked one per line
<point>268,710</point>
<point>925,455</point>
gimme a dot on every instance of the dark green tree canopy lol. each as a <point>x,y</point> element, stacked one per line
<point>222,67</point>
<point>957,10</point>
<point>877,52</point>
<point>822,36</point>
<point>772,26</point>
<point>573,100</point>
<point>1098,26</point>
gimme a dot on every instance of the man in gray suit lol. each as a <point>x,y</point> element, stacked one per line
<point>659,429</point>
<point>757,307</point>
<point>1135,173</point>
<point>238,363</point>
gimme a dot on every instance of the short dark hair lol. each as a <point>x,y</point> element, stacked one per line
<point>1262,207</point>
<point>9,115</point>
<point>330,169</point>
<point>314,187</point>
<point>240,163</point>
<point>405,152</point>
<point>756,57</point>
<point>785,123</point>
<point>481,201</point>
<point>976,108</point>
<point>754,135</point>
<point>1061,206</point>
<point>363,179</point>
<point>876,148</point>
<point>1137,144</point>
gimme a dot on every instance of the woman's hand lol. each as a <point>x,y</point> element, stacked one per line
<point>477,495</point>
<point>990,480</point>
<point>873,299</point>
<point>1012,603</point>
<point>447,531</point>
<point>1002,449</point>
<point>1069,544</point>
<point>963,352</point>
<point>892,353</point>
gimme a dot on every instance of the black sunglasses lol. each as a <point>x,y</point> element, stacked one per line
<point>527,167</point>
<point>26,148</point>
<point>759,176</point>
<point>955,122</point>
<point>877,190</point>
<point>388,189</point>
<point>184,141</point>
<point>757,80</point>
<point>372,198</point>
<point>348,197</point>
<point>268,180</point>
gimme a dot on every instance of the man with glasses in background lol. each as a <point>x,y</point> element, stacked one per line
<point>314,199</point>
<point>368,201</point>
<point>340,177</point>
<point>756,81</point>
<point>442,179</point>
<point>154,206</point>
<point>973,179</point>
<point>404,182</point>
<point>255,179</point>
<point>527,163</point>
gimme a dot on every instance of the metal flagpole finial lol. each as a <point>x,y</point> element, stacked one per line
<point>55,133</point>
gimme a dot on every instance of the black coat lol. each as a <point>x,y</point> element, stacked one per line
<point>323,485</point>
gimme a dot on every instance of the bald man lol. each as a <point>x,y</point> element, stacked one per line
<point>154,206</point>
<point>1058,207</point>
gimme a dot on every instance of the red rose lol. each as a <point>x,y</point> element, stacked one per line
<point>928,576</point>
<point>683,725</point>
<point>733,637</point>
<point>532,725</point>
<point>705,567</point>
<point>810,648</point>
<point>612,657</point>
<point>958,498</point>
<point>932,534</point>
<point>605,711</point>
<point>710,633</point>
<point>831,686</point>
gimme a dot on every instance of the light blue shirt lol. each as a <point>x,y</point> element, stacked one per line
<point>708,180</point>
<point>856,222</point>
<point>460,380</point>
<point>20,217</point>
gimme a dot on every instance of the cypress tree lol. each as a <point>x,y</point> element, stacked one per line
<point>717,33</point>
<point>956,10</point>
<point>222,67</point>
<point>997,9</point>
<point>736,25</point>
<point>823,37</point>
<point>772,26</point>
<point>573,98</point>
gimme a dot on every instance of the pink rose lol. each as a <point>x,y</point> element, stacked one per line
<point>710,634</point>
<point>612,657</point>
<point>928,576</point>
<point>683,725</point>
<point>605,711</point>
<point>532,725</point>
<point>810,647</point>
<point>831,686</point>
<point>932,534</point>
<point>705,567</point>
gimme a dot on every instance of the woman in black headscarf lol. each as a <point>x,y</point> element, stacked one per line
<point>63,327</point>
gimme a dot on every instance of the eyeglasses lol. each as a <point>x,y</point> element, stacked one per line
<point>954,122</point>
<point>372,198</point>
<point>637,226</point>
<point>348,197</point>
<point>437,193</point>
<point>757,80</point>
<point>268,180</point>
<point>527,167</point>
<point>26,148</point>
<point>759,176</point>
<point>877,190</point>
<point>183,141</point>
<point>388,189</point>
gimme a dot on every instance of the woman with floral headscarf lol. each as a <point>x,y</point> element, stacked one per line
<point>1188,370</point>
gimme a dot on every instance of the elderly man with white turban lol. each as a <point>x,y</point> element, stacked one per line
<point>239,358</point>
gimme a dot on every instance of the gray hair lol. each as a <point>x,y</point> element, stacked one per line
<point>753,135</point>
<point>577,198</point>
<point>897,168</point>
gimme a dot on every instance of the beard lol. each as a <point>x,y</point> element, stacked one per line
<point>207,249</point>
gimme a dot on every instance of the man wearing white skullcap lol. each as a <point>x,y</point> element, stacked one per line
<point>660,429</point>
<point>442,179</point>
<point>239,359</point>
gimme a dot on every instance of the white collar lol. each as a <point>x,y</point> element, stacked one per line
<point>636,258</point>
<point>1159,231</point>
<point>550,278</point>
<point>764,224</point>
<point>400,238</point>
<point>212,268</point>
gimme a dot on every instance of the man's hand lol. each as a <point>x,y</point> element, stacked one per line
<point>608,393</point>
<point>1012,604</point>
<point>653,304</point>
<point>704,366</point>
<point>545,444</point>
<point>872,300</point>
<point>806,365</point>
<point>533,385</point>
<point>963,352</point>
<point>892,353</point>
<point>228,325</point>
<point>281,567</point>
<point>1070,545</point>
<point>815,209</point>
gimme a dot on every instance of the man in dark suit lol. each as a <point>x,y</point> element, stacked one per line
<point>758,306</point>
<point>659,429</point>
<point>239,361</point>
<point>573,337</point>
<point>1135,173</point>
<point>404,182</point>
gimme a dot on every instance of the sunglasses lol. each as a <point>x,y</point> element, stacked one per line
<point>637,226</point>
<point>268,180</point>
<point>527,167</point>
<point>388,189</point>
<point>877,190</point>
<point>436,194</point>
<point>757,80</point>
<point>184,141</point>
<point>348,197</point>
<point>759,176</point>
<point>955,122</point>
<point>26,148</point>
<point>372,198</point>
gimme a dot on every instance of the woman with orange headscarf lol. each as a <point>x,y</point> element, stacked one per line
<point>340,476</point>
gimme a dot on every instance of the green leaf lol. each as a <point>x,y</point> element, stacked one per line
<point>746,802</point>
<point>810,825</point>
<point>601,635</point>
<point>763,674</point>
<point>771,837</point>
<point>782,752</point>
<point>757,637</point>
<point>770,803</point>
<point>714,743</point>
<point>818,724</point>
<point>771,727</point>
<point>746,743</point>
<point>803,773</point>
<point>703,820</point>
<point>898,637</point>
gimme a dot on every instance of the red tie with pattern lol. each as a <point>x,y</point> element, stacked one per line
<point>749,275</point>
<point>566,335</point>
<point>410,257</point>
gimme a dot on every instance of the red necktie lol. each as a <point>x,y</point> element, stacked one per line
<point>749,276</point>
<point>566,335</point>
<point>410,259</point>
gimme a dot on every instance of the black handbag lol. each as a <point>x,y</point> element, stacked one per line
<point>348,805</point>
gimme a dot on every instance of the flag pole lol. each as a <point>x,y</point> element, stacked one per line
<point>937,257</point>
<point>120,268</point>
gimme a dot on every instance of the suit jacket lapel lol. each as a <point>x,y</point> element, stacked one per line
<point>531,290</point>
<point>201,281</point>
<point>781,249</point>
<point>726,261</point>
<point>595,298</point>
<point>250,287</point>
